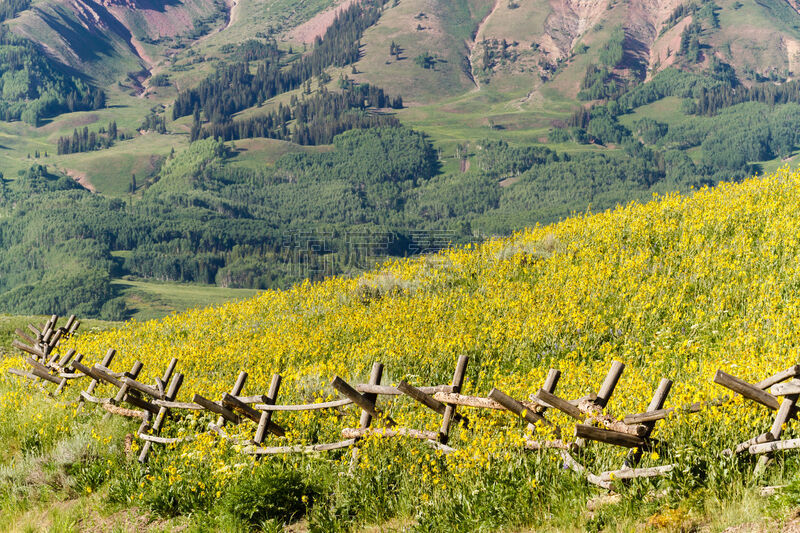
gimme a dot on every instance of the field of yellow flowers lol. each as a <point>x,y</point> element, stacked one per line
<point>678,288</point>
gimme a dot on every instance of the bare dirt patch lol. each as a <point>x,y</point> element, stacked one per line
<point>81,178</point>
<point>665,51</point>
<point>317,26</point>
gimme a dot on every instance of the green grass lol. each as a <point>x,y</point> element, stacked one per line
<point>666,110</point>
<point>148,299</point>
<point>255,154</point>
<point>110,171</point>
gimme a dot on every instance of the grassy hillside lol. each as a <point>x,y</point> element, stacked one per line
<point>676,288</point>
<point>151,300</point>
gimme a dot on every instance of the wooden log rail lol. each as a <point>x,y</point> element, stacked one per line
<point>751,392</point>
<point>45,338</point>
<point>153,404</point>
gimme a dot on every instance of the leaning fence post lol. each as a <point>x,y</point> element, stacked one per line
<point>266,416</point>
<point>450,410</point>
<point>606,390</point>
<point>784,412</point>
<point>93,384</point>
<point>366,419</point>
<point>172,392</point>
<point>609,384</point>
<point>659,397</point>
<point>123,391</point>
<point>235,391</point>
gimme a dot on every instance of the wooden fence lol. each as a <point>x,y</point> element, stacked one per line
<point>154,403</point>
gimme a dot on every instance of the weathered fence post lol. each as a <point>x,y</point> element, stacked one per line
<point>93,384</point>
<point>450,410</point>
<point>266,416</point>
<point>172,392</point>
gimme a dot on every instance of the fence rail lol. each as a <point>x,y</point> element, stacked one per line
<point>154,403</point>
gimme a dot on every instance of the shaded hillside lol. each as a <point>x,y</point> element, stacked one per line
<point>108,40</point>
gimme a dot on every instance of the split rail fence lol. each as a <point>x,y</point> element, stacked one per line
<point>154,403</point>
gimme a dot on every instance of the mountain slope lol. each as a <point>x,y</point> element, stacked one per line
<point>676,289</point>
<point>107,40</point>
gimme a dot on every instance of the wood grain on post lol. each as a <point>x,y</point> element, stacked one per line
<point>108,371</point>
<point>783,375</point>
<point>179,405</point>
<point>214,407</point>
<point>450,409</point>
<point>168,373</point>
<point>784,412</point>
<point>452,398</point>
<point>362,401</point>
<point>785,389</point>
<point>356,433</point>
<point>375,376</point>
<point>551,381</point>
<point>70,322</point>
<point>426,400</point>
<point>562,405</point>
<point>172,392</point>
<point>656,403</point>
<point>64,377</point>
<point>608,436</point>
<point>141,404</point>
<point>63,363</point>
<point>235,391</point>
<point>634,473</point>
<point>304,407</point>
<point>275,450</point>
<point>45,375</point>
<point>266,416</point>
<point>776,446</point>
<point>80,367</point>
<point>744,446</point>
<point>234,404</point>
<point>74,327</point>
<point>55,338</point>
<point>515,407</point>
<point>747,390</point>
<point>35,331</point>
<point>387,390</point>
<point>164,440</point>
<point>22,335</point>
<point>153,392</point>
<point>37,365</point>
<point>27,349</point>
<point>122,393</point>
<point>103,373</point>
<point>609,383</point>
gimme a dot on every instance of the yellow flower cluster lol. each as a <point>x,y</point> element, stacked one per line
<point>677,288</point>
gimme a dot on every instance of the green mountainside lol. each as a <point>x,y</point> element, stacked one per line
<point>251,144</point>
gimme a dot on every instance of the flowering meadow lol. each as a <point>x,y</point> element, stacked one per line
<point>678,287</point>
